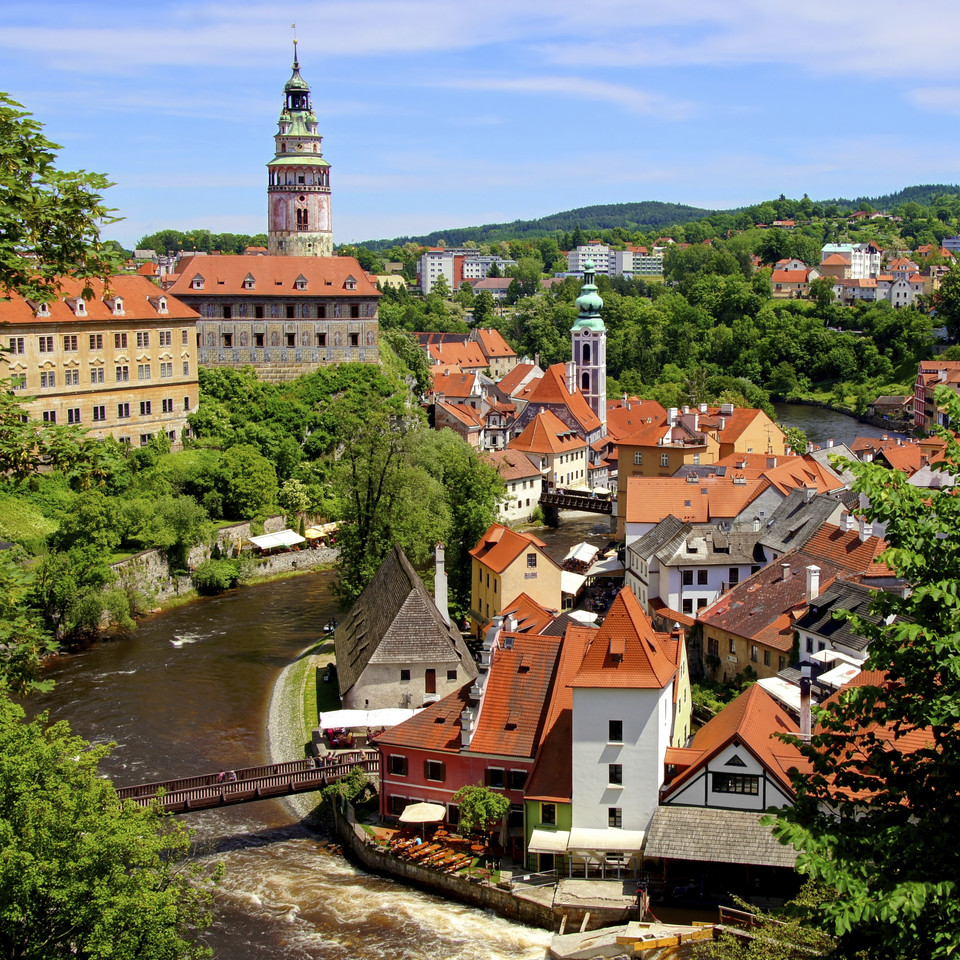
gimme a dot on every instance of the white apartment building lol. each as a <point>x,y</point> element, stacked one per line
<point>456,264</point>
<point>864,258</point>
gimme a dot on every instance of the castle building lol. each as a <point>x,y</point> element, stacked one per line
<point>589,336</point>
<point>298,190</point>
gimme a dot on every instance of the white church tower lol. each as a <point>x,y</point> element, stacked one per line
<point>589,337</point>
<point>298,191</point>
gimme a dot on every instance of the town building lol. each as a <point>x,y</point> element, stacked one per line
<point>456,264</point>
<point>121,363</point>
<point>396,648</point>
<point>523,479</point>
<point>506,563</point>
<point>298,189</point>
<point>564,455</point>
<point>862,260</point>
<point>282,315</point>
<point>930,375</point>
<point>792,284</point>
<point>589,337</point>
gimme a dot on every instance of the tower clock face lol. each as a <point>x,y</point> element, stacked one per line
<point>299,146</point>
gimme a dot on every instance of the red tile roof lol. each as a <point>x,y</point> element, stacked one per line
<point>511,381</point>
<point>547,434</point>
<point>512,464</point>
<point>500,546</point>
<point>650,499</point>
<point>493,344</point>
<point>625,651</point>
<point>551,388</point>
<point>467,356</point>
<point>529,615</point>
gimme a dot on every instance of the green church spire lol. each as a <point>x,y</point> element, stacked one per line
<point>589,303</point>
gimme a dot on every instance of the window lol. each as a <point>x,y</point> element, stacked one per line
<point>291,311</point>
<point>143,371</point>
<point>165,337</point>
<point>615,731</point>
<point>548,813</point>
<point>291,339</point>
<point>166,371</point>
<point>531,560</point>
<point>123,410</point>
<point>638,459</point>
<point>119,341</point>
<point>145,439</point>
<point>228,340</point>
<point>664,459</point>
<point>614,816</point>
<point>17,345</point>
<point>354,339</point>
<point>733,576</point>
<point>713,647</point>
<point>96,375</point>
<point>430,681</point>
<point>45,344</point>
<point>754,653</point>
<point>123,374</point>
<point>49,416</point>
<point>397,805</point>
<point>184,336</point>
<point>452,674</point>
<point>518,779</point>
<point>48,378</point>
<point>186,403</point>
<point>702,577</point>
<point>186,368</point>
<point>258,340</point>
<point>168,405</point>
<point>404,674</point>
<point>687,605</point>
<point>226,311</point>
<point>143,338</point>
<point>397,765</point>
<point>321,339</point>
<point>73,415</point>
<point>145,408</point>
<point>766,658</point>
<point>495,777</point>
<point>615,774</point>
<point>781,663</point>
<point>701,602</point>
<point>99,414</point>
<point>70,342</point>
<point>18,381</point>
<point>71,378</point>
<point>686,577</point>
<point>733,646</point>
<point>736,783</point>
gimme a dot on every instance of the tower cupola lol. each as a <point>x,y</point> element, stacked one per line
<point>589,343</point>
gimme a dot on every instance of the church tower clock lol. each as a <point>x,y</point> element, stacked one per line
<point>589,336</point>
<point>298,192</point>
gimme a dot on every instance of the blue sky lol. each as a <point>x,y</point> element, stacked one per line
<point>441,113</point>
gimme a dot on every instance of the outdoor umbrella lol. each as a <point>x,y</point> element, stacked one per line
<point>423,813</point>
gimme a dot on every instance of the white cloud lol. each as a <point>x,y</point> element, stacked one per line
<point>945,100</point>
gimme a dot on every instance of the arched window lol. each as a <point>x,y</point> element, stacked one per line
<point>586,353</point>
<point>585,383</point>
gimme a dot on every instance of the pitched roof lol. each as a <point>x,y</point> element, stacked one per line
<point>649,499</point>
<point>624,419</point>
<point>467,356</point>
<point>786,473</point>
<point>529,616</point>
<point>511,382</point>
<point>551,389</point>
<point>452,383</point>
<point>396,621</point>
<point>493,345</point>
<point>840,595</point>
<point>546,433</point>
<point>140,302</point>
<point>796,519</point>
<point>274,276</point>
<point>512,464</point>
<point>625,651</point>
<point>752,719</point>
<point>500,546</point>
<point>463,413</point>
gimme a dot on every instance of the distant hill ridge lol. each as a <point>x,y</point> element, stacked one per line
<point>646,216</point>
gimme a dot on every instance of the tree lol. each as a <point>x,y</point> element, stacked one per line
<point>247,481</point>
<point>874,813</point>
<point>483,308</point>
<point>947,302</point>
<point>480,808</point>
<point>50,219</point>
<point>24,640</point>
<point>440,287</point>
<point>82,875</point>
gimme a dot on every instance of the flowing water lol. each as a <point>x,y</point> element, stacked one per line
<point>187,693</point>
<point>821,424</point>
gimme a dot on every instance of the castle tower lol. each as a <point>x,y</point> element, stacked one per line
<point>589,337</point>
<point>298,191</point>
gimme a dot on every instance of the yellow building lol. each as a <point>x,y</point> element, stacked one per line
<point>120,364</point>
<point>505,564</point>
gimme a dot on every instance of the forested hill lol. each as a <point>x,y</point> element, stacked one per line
<point>648,215</point>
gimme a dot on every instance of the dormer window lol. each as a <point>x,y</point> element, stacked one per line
<point>79,307</point>
<point>301,282</point>
<point>197,282</point>
<point>249,283</point>
<point>162,305</point>
<point>350,283</point>
<point>43,309</point>
<point>118,307</point>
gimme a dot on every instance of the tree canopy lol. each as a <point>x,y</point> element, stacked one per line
<point>50,219</point>
<point>873,816</point>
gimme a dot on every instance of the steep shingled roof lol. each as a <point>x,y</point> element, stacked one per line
<point>396,621</point>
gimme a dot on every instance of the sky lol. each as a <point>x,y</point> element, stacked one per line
<point>439,114</point>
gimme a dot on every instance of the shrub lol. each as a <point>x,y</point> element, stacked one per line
<point>215,576</point>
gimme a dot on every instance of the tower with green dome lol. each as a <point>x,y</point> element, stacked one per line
<point>298,189</point>
<point>589,337</point>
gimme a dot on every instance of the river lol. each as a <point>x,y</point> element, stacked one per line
<point>188,692</point>
<point>821,424</point>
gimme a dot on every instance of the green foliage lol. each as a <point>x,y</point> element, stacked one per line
<point>173,241</point>
<point>50,219</point>
<point>246,482</point>
<point>81,874</point>
<point>350,788</point>
<point>870,817</point>
<point>24,638</point>
<point>480,808</point>
<point>215,576</point>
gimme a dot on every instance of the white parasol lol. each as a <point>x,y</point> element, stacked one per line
<point>423,813</point>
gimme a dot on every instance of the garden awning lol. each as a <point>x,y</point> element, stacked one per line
<point>352,719</point>
<point>282,538</point>
<point>571,582</point>
<point>610,840</point>
<point>548,841</point>
<point>583,552</point>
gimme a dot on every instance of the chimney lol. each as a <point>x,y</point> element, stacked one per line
<point>847,522</point>
<point>571,370</point>
<point>813,582</point>
<point>440,586</point>
<point>785,570</point>
<point>723,423</point>
<point>809,492</point>
<point>809,447</point>
<point>830,442</point>
<point>672,417</point>
<point>866,530</point>
<point>703,408</point>
<point>805,702</point>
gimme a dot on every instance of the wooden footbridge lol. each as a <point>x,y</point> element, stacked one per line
<point>252,783</point>
<point>573,500</point>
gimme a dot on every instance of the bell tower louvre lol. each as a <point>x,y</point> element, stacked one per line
<point>298,190</point>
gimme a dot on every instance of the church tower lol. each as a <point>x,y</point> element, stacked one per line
<point>298,192</point>
<point>589,337</point>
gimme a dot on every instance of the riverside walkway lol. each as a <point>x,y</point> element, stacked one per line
<point>252,783</point>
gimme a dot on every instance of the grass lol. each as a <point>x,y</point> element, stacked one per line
<point>21,522</point>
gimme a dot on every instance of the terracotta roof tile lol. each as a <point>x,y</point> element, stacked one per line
<point>500,546</point>
<point>650,499</point>
<point>546,433</point>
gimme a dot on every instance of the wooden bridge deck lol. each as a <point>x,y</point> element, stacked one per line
<point>252,783</point>
<point>575,501</point>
